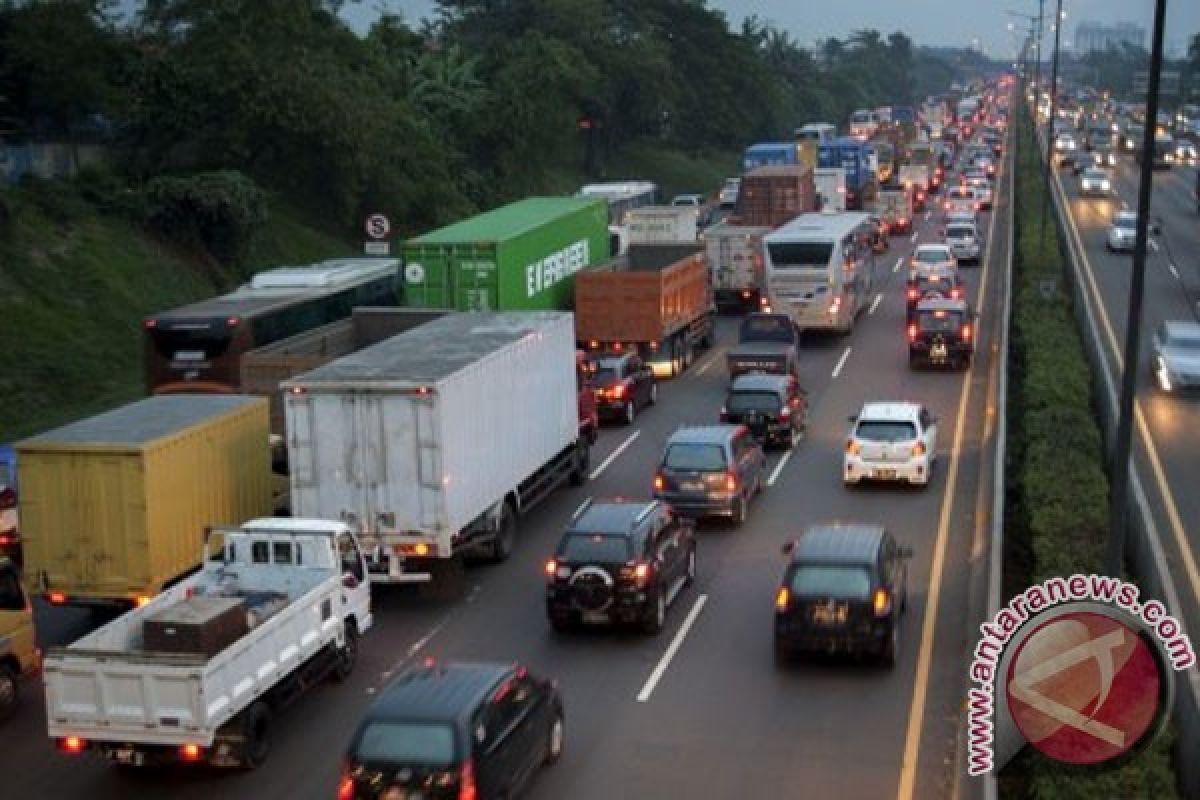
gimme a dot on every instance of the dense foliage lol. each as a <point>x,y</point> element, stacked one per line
<point>479,106</point>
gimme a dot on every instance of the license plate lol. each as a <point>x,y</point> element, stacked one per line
<point>127,755</point>
<point>885,474</point>
<point>691,486</point>
<point>594,617</point>
<point>829,615</point>
<point>939,352</point>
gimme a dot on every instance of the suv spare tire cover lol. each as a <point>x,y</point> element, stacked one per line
<point>592,588</point>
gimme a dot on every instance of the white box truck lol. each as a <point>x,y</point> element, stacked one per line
<point>432,443</point>
<point>831,187</point>
<point>735,258</point>
<point>662,225</point>
<point>302,587</point>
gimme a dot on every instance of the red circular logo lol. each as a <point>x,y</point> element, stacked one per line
<point>1085,688</point>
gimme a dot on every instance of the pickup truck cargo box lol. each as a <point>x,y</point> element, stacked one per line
<point>264,368</point>
<point>735,258</point>
<point>520,257</point>
<point>772,196</point>
<point>416,438</point>
<point>115,506</point>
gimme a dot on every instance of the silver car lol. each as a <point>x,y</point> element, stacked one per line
<point>1095,183</point>
<point>965,242</point>
<point>1177,355</point>
<point>1122,233</point>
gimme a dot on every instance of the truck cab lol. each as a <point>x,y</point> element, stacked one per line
<point>18,646</point>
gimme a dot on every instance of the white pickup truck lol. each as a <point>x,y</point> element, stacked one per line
<point>296,597</point>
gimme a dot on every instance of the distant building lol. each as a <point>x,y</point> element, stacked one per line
<point>1093,36</point>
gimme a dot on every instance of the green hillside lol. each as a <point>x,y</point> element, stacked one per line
<point>75,284</point>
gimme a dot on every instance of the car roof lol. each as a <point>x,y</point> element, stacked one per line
<point>888,411</point>
<point>612,516</point>
<point>839,543</point>
<point>448,691</point>
<point>759,383</point>
<point>1181,327</point>
<point>703,434</point>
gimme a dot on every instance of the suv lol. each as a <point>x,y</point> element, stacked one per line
<point>620,562</point>
<point>454,730</point>
<point>960,198</point>
<point>773,407</point>
<point>930,284</point>
<point>712,469</point>
<point>890,442</point>
<point>931,256</point>
<point>624,384</point>
<point>941,333</point>
<point>845,588</point>
<point>964,241</point>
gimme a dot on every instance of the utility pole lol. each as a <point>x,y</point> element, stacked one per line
<point>1121,464</point>
<point>1058,17</point>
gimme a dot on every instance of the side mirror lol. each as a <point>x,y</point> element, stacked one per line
<point>904,551</point>
<point>788,547</point>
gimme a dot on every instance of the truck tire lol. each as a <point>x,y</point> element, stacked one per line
<point>256,735</point>
<point>346,656</point>
<point>502,545</point>
<point>583,460</point>
<point>8,692</point>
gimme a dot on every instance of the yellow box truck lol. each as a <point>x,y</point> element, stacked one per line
<point>114,508</point>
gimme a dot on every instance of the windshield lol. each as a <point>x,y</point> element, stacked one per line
<point>740,402</point>
<point>603,376</point>
<point>785,255</point>
<point>886,431</point>
<point>1095,175</point>
<point>695,457</point>
<point>1125,221</point>
<point>594,548</point>
<point>1185,339</point>
<point>417,743</point>
<point>941,321</point>
<point>850,583</point>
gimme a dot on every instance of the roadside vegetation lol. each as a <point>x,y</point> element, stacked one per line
<point>1057,507</point>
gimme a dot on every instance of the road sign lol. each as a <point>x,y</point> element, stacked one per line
<point>378,226</point>
<point>377,248</point>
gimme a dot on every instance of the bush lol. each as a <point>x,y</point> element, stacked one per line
<point>219,211</point>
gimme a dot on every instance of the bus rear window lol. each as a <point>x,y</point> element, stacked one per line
<point>191,344</point>
<point>792,255</point>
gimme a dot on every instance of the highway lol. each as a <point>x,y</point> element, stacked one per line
<point>701,710</point>
<point>1165,434</point>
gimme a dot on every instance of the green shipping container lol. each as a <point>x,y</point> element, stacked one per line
<point>520,257</point>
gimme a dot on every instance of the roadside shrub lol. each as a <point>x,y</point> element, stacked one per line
<point>219,211</point>
<point>107,191</point>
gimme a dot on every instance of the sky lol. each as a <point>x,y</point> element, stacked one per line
<point>980,23</point>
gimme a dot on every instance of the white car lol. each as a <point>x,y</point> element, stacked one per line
<point>929,257</point>
<point>983,191</point>
<point>890,442</point>
<point>688,200</point>
<point>1095,183</point>
<point>960,198</point>
<point>965,242</point>
<point>729,193</point>
<point>1122,233</point>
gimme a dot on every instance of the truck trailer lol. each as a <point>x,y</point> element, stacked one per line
<point>736,263</point>
<point>433,443</point>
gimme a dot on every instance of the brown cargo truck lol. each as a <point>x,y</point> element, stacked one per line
<point>772,196</point>
<point>657,300</point>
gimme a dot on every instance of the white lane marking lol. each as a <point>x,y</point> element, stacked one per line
<point>874,304</point>
<point>779,467</point>
<point>899,261</point>
<point>928,214</point>
<point>1174,270</point>
<point>842,362</point>
<point>703,368</point>
<point>1153,245</point>
<point>613,455</point>
<point>914,237</point>
<point>665,661</point>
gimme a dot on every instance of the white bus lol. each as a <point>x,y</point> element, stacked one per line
<point>820,269</point>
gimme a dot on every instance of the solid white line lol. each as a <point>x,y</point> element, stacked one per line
<point>899,261</point>
<point>613,455</point>
<point>842,362</point>
<point>928,214</point>
<point>665,661</point>
<point>703,368</point>
<point>779,468</point>
<point>1174,270</point>
<point>1153,245</point>
<point>874,304</point>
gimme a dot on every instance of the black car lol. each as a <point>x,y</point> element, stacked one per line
<point>620,562</point>
<point>624,384</point>
<point>932,284</point>
<point>844,590</point>
<point>942,333</point>
<point>711,470</point>
<point>454,730</point>
<point>773,407</point>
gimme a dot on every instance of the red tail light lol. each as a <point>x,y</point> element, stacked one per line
<point>912,294</point>
<point>912,332</point>
<point>150,324</point>
<point>190,752</point>
<point>966,332</point>
<point>785,412</point>
<point>346,788</point>
<point>466,782</point>
<point>57,598</point>
<point>641,574</point>
<point>617,391</point>
<point>955,293</point>
<point>73,745</point>
<point>659,483</point>
<point>946,205</point>
<point>731,482</point>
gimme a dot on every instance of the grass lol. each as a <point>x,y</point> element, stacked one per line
<point>75,284</point>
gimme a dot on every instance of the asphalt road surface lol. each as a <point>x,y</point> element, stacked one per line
<point>721,720</point>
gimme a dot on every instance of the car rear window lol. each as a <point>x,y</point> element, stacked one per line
<point>932,256</point>
<point>939,321</point>
<point>960,232</point>
<point>850,583</point>
<point>738,402</point>
<point>417,743</point>
<point>594,548</point>
<point>698,457</point>
<point>604,375</point>
<point>886,430</point>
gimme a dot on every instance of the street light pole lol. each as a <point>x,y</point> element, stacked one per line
<point>1058,17</point>
<point>1119,522</point>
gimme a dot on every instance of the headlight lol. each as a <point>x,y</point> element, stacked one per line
<point>1105,185</point>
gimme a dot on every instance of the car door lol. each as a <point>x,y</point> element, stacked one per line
<point>928,424</point>
<point>633,369</point>
<point>499,755</point>
<point>356,588</point>
<point>531,724</point>
<point>665,547</point>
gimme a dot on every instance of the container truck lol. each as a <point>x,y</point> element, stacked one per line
<point>18,644</point>
<point>767,154</point>
<point>657,300</point>
<point>662,225</point>
<point>850,154</point>
<point>735,260</point>
<point>894,205</point>
<point>771,196</point>
<point>198,674</point>
<point>114,507</point>
<point>831,187</point>
<point>520,257</point>
<point>622,197</point>
<point>433,443</point>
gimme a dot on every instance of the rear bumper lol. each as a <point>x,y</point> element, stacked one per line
<point>699,505</point>
<point>626,607</point>
<point>954,353</point>
<point>856,470</point>
<point>799,637</point>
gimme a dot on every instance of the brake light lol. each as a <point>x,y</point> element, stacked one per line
<point>785,412</point>
<point>233,322</point>
<point>617,391</point>
<point>782,598</point>
<point>966,331</point>
<point>73,745</point>
<point>918,449</point>
<point>946,205</point>
<point>912,332</point>
<point>881,602</point>
<point>659,483</point>
<point>551,567</point>
<point>835,305</point>
<point>190,752</point>
<point>346,788</point>
<point>978,206</point>
<point>731,482</point>
<point>912,294</point>
<point>745,293</point>
<point>142,600</point>
<point>150,324</point>
<point>57,598</point>
<point>466,782</point>
<point>853,447</point>
<point>955,293</point>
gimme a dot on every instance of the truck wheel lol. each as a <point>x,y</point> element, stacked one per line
<point>256,735</point>
<point>8,692</point>
<point>506,536</point>
<point>347,654</point>
<point>583,459</point>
